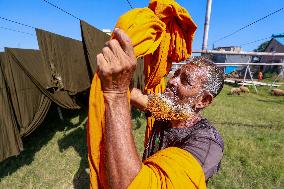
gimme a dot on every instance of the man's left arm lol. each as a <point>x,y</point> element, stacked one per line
<point>116,65</point>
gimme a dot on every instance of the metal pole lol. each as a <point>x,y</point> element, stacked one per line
<point>251,78</point>
<point>281,72</point>
<point>238,53</point>
<point>245,74</point>
<point>206,24</point>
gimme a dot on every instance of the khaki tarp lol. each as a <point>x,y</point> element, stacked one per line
<point>34,67</point>
<point>10,140</point>
<point>66,61</point>
<point>94,40</point>
<point>29,104</point>
<point>139,76</point>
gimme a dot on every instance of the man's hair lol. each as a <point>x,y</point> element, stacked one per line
<point>215,81</point>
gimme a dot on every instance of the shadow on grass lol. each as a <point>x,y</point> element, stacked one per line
<point>257,125</point>
<point>77,140</point>
<point>276,101</point>
<point>42,135</point>
<point>137,117</point>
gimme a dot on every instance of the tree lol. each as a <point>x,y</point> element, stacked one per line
<point>262,47</point>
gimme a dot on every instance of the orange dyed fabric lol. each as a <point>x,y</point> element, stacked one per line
<point>171,168</point>
<point>161,33</point>
<point>175,46</point>
<point>144,28</point>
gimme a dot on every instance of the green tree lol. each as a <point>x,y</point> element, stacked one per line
<point>262,47</point>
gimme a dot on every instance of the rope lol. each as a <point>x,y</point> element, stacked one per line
<point>55,6</point>
<point>250,24</point>
<point>16,31</point>
<point>15,22</point>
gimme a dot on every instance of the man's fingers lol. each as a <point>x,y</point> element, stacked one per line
<point>108,54</point>
<point>102,64</point>
<point>114,45</point>
<point>114,64</point>
<point>124,41</point>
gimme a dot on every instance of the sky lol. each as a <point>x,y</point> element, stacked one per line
<point>227,16</point>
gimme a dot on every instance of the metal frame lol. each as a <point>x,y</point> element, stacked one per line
<point>248,64</point>
<point>281,72</point>
<point>248,70</point>
<point>238,53</point>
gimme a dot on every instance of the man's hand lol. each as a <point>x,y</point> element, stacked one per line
<point>138,99</point>
<point>116,63</point>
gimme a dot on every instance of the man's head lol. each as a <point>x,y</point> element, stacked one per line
<point>196,83</point>
<point>192,88</point>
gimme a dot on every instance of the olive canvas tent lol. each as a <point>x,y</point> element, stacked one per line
<point>29,104</point>
<point>10,140</point>
<point>93,42</point>
<point>66,61</point>
<point>32,64</point>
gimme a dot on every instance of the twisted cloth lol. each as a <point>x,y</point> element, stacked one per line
<point>162,33</point>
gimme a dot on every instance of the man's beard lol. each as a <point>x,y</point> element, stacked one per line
<point>163,107</point>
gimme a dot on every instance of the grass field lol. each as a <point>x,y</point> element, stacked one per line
<point>252,127</point>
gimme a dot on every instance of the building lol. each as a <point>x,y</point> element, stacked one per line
<point>276,44</point>
<point>222,58</point>
<point>107,31</point>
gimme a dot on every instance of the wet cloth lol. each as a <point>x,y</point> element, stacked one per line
<point>170,168</point>
<point>161,33</point>
<point>175,46</point>
<point>202,141</point>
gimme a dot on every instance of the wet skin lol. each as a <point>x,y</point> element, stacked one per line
<point>187,84</point>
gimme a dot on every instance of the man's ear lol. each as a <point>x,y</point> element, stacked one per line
<point>205,101</point>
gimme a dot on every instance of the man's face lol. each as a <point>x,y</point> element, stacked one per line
<point>187,84</point>
<point>184,95</point>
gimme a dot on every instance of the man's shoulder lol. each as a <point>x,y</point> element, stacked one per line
<point>204,129</point>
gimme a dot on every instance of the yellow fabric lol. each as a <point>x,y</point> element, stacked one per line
<point>144,28</point>
<point>176,44</point>
<point>95,131</point>
<point>161,33</point>
<point>171,168</point>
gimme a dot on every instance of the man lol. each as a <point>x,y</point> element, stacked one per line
<point>192,88</point>
<point>194,84</point>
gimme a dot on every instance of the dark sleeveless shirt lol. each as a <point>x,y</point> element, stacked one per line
<point>202,141</point>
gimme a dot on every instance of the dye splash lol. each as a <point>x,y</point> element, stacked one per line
<point>214,75</point>
<point>165,108</point>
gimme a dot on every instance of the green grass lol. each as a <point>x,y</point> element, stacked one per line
<point>252,127</point>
